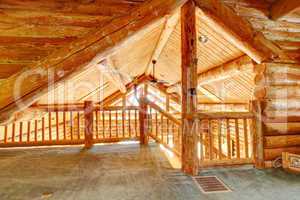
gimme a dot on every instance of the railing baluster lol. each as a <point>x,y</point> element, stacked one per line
<point>103,124</point>
<point>97,124</point>
<point>210,136</point>
<point>237,138</point>
<point>156,124</point>
<point>162,127</point>
<point>173,134</point>
<point>71,125</point>
<point>117,125</point>
<point>220,138</point>
<point>150,120</point>
<point>78,125</point>
<point>123,123</point>
<point>110,132</point>
<point>64,125</point>
<point>168,139</point>
<point>50,128</point>
<point>5,134</point>
<point>43,129</point>
<point>201,141</point>
<point>229,152</point>
<point>21,132</point>
<point>129,123</point>
<point>57,125</point>
<point>35,130</point>
<point>246,138</point>
<point>28,130</point>
<point>135,122</point>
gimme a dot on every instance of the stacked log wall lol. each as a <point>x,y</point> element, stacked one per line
<point>278,89</point>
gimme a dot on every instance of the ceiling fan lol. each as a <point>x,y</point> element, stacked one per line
<point>154,80</point>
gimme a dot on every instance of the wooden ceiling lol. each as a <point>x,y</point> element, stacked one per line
<point>32,30</point>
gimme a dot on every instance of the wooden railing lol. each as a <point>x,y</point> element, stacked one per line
<point>69,125</point>
<point>116,123</point>
<point>164,128</point>
<point>225,138</point>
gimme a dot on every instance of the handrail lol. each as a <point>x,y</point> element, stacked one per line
<point>159,109</point>
<point>221,115</point>
<point>79,107</point>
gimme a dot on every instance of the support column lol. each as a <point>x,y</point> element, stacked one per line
<point>258,137</point>
<point>88,118</point>
<point>190,162</point>
<point>143,122</point>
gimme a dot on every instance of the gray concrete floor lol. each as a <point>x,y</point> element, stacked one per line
<point>125,172</point>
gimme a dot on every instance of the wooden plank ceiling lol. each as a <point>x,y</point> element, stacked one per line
<point>32,30</point>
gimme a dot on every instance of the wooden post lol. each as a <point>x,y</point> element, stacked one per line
<point>167,103</point>
<point>143,116</point>
<point>88,117</point>
<point>190,163</point>
<point>258,137</point>
<point>143,122</point>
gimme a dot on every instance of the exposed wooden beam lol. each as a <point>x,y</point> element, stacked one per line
<point>108,69</point>
<point>81,54</point>
<point>71,7</point>
<point>235,29</point>
<point>177,89</point>
<point>50,18</point>
<point>282,8</point>
<point>226,71</point>
<point>169,27</point>
<point>7,69</point>
<point>118,95</point>
<point>209,94</point>
<point>190,163</point>
<point>40,42</point>
<point>222,72</point>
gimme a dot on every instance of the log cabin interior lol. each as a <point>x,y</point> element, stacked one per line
<point>143,99</point>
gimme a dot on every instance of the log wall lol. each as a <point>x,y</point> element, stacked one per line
<point>278,91</point>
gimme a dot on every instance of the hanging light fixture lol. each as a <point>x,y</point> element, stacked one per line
<point>203,39</point>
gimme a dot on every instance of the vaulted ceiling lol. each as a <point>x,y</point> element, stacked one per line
<point>33,31</point>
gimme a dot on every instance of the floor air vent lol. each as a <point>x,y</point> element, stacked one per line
<point>211,184</point>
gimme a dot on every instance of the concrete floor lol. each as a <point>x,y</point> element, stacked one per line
<point>125,172</point>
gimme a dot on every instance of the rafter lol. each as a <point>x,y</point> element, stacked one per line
<point>282,8</point>
<point>222,72</point>
<point>117,95</point>
<point>108,69</point>
<point>8,69</point>
<point>81,54</point>
<point>209,94</point>
<point>169,27</point>
<point>227,70</point>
